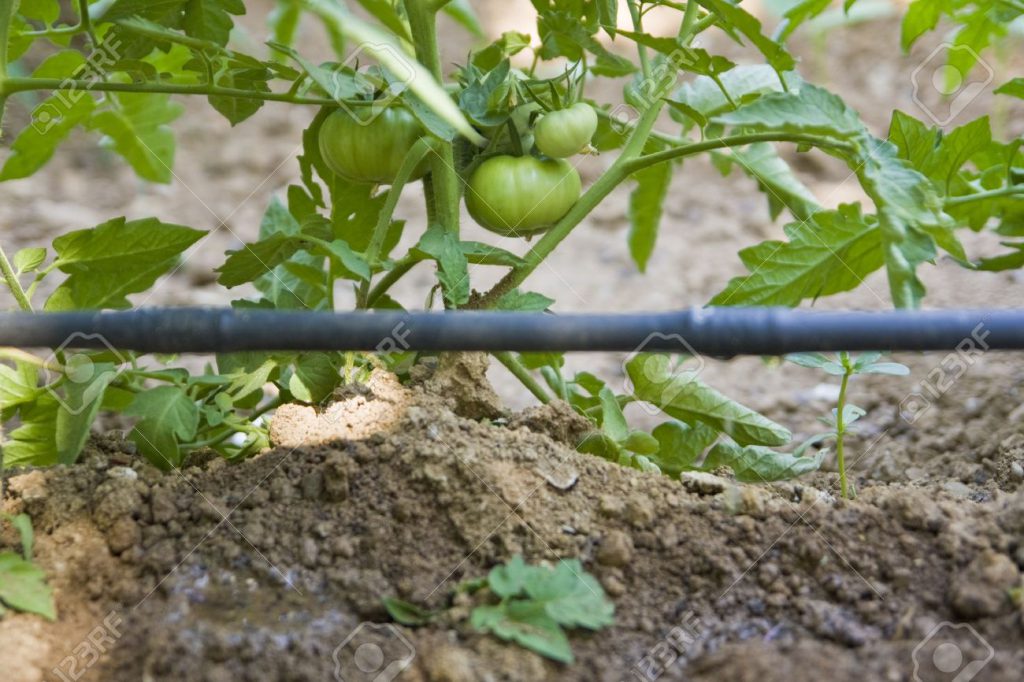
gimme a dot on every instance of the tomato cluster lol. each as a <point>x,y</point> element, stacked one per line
<point>509,195</point>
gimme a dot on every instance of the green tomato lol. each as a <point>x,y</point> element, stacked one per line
<point>562,133</point>
<point>370,152</point>
<point>521,195</point>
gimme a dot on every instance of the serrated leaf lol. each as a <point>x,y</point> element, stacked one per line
<point>921,17</point>
<point>18,384</point>
<point>33,442</point>
<point>831,253</point>
<point>798,14</point>
<point>136,128</point>
<point>211,19</point>
<point>255,261</point>
<point>168,419</point>
<point>744,84</point>
<point>23,586</point>
<point>452,265</point>
<point>238,109</point>
<point>285,286</point>
<point>757,464</point>
<point>811,110</point>
<point>52,121</point>
<point>116,258</point>
<point>645,209</point>
<point>571,596</point>
<point>738,18</point>
<point>686,398</point>
<point>681,445</point>
<point>776,179</point>
<point>316,376</point>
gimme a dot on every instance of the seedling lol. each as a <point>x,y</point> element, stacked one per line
<point>532,606</point>
<point>844,414</point>
<point>23,584</point>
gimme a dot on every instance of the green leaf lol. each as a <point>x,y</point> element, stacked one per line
<point>29,260</point>
<point>136,128</point>
<point>736,17</point>
<point>756,464</point>
<point>453,267</point>
<point>52,121</point>
<point>776,179</point>
<point>922,16</point>
<point>316,376</point>
<point>798,14</point>
<point>23,524</point>
<point>285,286</point>
<point>18,384</point>
<point>211,19</point>
<point>571,596</point>
<point>464,15</point>
<point>744,84</point>
<point>684,397</point>
<point>33,443</point>
<point>562,34</point>
<point>680,446</point>
<point>116,258</point>
<point>645,208</point>
<point>890,368</point>
<point>525,301</point>
<point>80,404</point>
<point>811,110</point>
<point>257,260</point>
<point>407,613</point>
<point>510,43</point>
<point>238,109</point>
<point>352,265</point>
<point>1007,261</point>
<point>831,253</point>
<point>1013,88</point>
<point>613,421</point>
<point>168,419</point>
<point>386,13</point>
<point>533,630</point>
<point>23,586</point>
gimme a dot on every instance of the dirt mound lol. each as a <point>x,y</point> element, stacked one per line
<point>275,568</point>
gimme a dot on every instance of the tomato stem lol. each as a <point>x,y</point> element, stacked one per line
<point>841,426</point>
<point>380,230</point>
<point>519,371</point>
<point>12,85</point>
<point>12,282</point>
<point>444,185</point>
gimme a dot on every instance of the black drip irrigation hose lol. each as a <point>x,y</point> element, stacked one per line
<point>719,332</point>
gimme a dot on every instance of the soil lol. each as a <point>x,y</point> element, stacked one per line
<point>274,568</point>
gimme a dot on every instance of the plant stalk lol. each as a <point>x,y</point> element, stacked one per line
<point>12,282</point>
<point>841,429</point>
<point>444,186</point>
<point>520,372</point>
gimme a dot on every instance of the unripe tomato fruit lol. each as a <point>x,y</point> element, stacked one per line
<point>560,134</point>
<point>521,195</point>
<point>370,152</point>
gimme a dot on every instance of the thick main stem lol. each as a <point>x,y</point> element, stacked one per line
<point>444,184</point>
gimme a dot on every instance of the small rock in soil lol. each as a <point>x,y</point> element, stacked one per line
<point>616,549</point>
<point>981,590</point>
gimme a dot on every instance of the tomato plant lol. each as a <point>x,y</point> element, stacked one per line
<point>479,132</point>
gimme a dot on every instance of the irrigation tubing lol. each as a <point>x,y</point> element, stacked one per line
<point>719,332</point>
